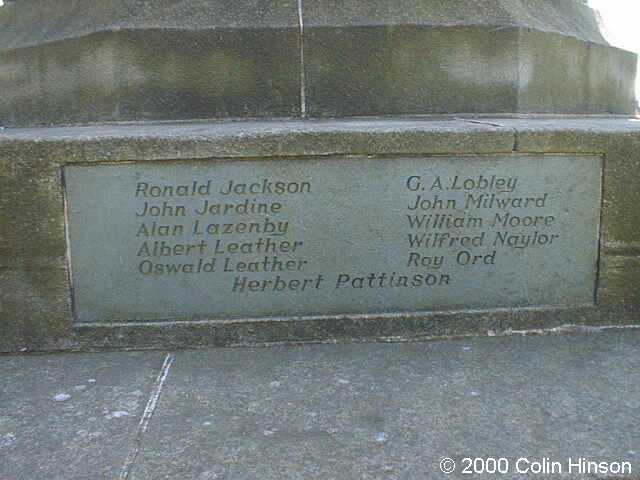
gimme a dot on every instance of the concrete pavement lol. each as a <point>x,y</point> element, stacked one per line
<point>346,411</point>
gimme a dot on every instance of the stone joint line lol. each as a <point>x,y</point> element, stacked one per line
<point>152,403</point>
<point>303,92</point>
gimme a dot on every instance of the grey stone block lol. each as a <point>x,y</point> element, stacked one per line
<point>377,58</point>
<point>410,69</point>
<point>35,291</point>
<point>124,60</point>
<point>559,74</point>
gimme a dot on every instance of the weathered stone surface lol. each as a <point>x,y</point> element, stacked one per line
<point>378,70</point>
<point>310,412</point>
<point>262,238</point>
<point>35,306</point>
<point>395,411</point>
<point>280,138</point>
<point>34,282</point>
<point>374,70</point>
<point>71,417</point>
<point>567,17</point>
<point>435,56</point>
<point>346,328</point>
<point>31,161</point>
<point>125,60</point>
<point>620,237</point>
<point>65,19</point>
<point>620,277</point>
<point>619,141</point>
<point>560,74</point>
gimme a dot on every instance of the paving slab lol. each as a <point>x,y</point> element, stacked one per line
<point>71,416</point>
<point>365,411</point>
<point>395,411</point>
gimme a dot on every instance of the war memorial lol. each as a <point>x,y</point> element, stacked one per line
<point>230,173</point>
<point>179,175</point>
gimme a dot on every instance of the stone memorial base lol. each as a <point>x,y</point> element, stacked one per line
<point>191,234</point>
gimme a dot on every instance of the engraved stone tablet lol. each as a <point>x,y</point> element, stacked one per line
<point>230,239</point>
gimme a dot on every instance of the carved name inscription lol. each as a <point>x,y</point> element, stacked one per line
<point>224,239</point>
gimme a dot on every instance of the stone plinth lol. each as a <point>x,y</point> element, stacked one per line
<point>198,217</point>
<point>60,248</point>
<point>78,62</point>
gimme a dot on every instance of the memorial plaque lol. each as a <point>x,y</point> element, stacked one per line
<point>288,237</point>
